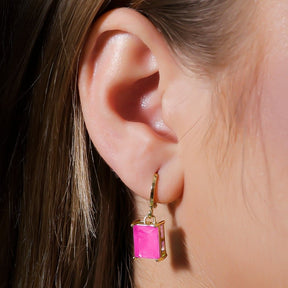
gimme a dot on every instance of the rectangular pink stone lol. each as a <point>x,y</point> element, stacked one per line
<point>146,241</point>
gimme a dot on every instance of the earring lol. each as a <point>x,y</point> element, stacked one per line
<point>149,236</point>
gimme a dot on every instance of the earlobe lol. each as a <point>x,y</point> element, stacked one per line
<point>121,96</point>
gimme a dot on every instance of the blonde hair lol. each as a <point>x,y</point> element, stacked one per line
<point>69,216</point>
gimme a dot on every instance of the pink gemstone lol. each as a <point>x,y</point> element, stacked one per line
<point>146,241</point>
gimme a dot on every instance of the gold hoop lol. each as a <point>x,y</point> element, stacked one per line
<point>154,187</point>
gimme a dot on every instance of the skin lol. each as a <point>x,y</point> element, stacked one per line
<point>226,226</point>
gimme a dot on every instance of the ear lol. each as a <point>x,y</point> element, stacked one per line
<point>125,70</point>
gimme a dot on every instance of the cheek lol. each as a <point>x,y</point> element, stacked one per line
<point>275,85</point>
<point>275,107</point>
<point>186,107</point>
<point>274,114</point>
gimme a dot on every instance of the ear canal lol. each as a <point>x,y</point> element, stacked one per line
<point>129,102</point>
<point>140,102</point>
